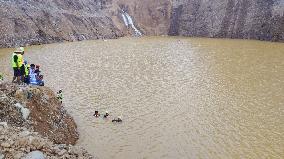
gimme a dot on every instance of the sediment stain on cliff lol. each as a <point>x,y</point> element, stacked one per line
<point>256,19</point>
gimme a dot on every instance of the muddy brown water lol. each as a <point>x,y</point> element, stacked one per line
<point>179,97</point>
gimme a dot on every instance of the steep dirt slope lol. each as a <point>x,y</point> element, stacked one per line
<point>40,21</point>
<point>37,107</point>
<point>34,123</point>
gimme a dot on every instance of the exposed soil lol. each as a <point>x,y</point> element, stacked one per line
<point>30,109</point>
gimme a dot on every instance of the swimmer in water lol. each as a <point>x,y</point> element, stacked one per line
<point>96,114</point>
<point>106,114</point>
<point>118,120</point>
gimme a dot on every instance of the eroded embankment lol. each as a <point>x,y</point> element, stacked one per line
<point>32,119</point>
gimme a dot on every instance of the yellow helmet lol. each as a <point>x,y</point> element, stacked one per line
<point>20,49</point>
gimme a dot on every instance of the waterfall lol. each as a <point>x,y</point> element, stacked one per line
<point>129,22</point>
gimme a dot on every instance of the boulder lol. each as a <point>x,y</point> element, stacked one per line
<point>34,155</point>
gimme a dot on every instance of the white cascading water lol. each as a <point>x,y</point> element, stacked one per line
<point>129,22</point>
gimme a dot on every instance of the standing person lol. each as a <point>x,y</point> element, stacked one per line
<point>27,75</point>
<point>15,64</point>
<point>21,63</point>
<point>60,96</point>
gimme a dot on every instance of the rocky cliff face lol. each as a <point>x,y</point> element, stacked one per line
<point>38,21</point>
<point>249,19</point>
<point>33,124</point>
<point>38,108</point>
<point>152,17</point>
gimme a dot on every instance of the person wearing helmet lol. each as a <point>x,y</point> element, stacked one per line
<point>21,64</point>
<point>106,114</point>
<point>17,63</point>
<point>60,96</point>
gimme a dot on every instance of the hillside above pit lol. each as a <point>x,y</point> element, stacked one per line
<point>38,21</point>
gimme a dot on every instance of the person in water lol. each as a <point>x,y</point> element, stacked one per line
<point>118,119</point>
<point>106,114</point>
<point>97,114</point>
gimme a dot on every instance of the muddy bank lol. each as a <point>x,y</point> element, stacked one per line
<point>33,119</point>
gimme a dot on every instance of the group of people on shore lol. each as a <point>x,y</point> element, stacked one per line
<point>24,72</point>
